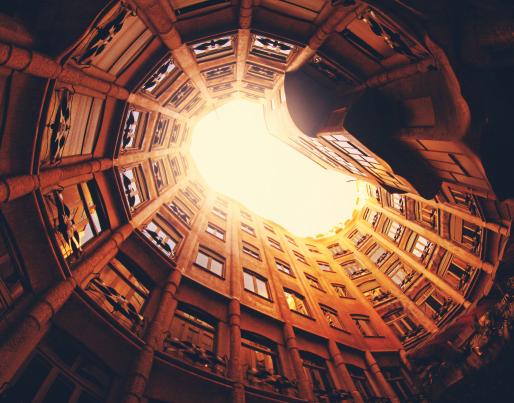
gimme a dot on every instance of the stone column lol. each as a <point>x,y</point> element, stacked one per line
<point>14,187</point>
<point>379,376</point>
<point>142,366</point>
<point>23,338</point>
<point>234,364</point>
<point>342,371</point>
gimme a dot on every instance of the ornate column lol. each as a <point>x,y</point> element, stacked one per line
<point>379,376</point>
<point>142,366</point>
<point>342,371</point>
<point>22,339</point>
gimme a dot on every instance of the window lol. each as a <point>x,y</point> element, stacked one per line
<point>316,371</point>
<point>290,240</point>
<point>256,284</point>
<point>161,78</point>
<point>395,230</point>
<point>361,382</point>
<point>268,228</point>
<point>274,243</point>
<point>122,291</point>
<point>246,228</point>
<point>192,327</point>
<point>246,215</point>
<point>313,282</point>
<point>325,266</point>
<point>159,174</point>
<point>61,370</point>
<point>465,200</point>
<point>341,290</point>
<point>399,275</point>
<point>300,257</point>
<point>426,214</point>
<point>134,129</point>
<point>11,284</point>
<point>73,126</point>
<point>364,325</point>
<point>372,217</point>
<point>78,216</point>
<point>336,250</point>
<point>166,242</point>
<point>312,248</point>
<point>421,247</point>
<point>296,302</point>
<point>259,358</point>
<point>471,236</point>
<point>219,213</point>
<point>357,238</point>
<point>181,211</point>
<point>134,188</point>
<point>210,261</point>
<point>331,316</point>
<point>251,250</point>
<point>283,267</point>
<point>401,324</point>
<point>190,195</point>
<point>175,168</point>
<point>377,254</point>
<point>395,378</point>
<point>354,270</point>
<point>216,231</point>
<point>396,201</point>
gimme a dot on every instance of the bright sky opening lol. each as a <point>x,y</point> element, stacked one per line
<point>236,155</point>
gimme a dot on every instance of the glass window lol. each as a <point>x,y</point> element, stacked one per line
<point>166,242</point>
<point>313,282</point>
<point>210,261</point>
<point>134,187</point>
<point>259,358</point>
<point>394,376</point>
<point>296,302</point>
<point>269,228</point>
<point>325,266</point>
<point>246,228</point>
<point>378,254</point>
<point>361,382</point>
<point>251,250</point>
<point>283,267</point>
<point>290,240</point>
<point>300,257</point>
<point>159,174</point>
<point>216,231</point>
<point>274,243</point>
<point>11,285</point>
<point>60,368</point>
<point>189,326</point>
<point>181,211</point>
<point>364,325</point>
<point>421,247</point>
<point>336,250</point>
<point>122,292</point>
<point>316,371</point>
<point>256,284</point>
<point>331,316</point>
<point>246,215</point>
<point>77,214</point>
<point>219,213</point>
<point>395,230</point>
<point>341,290</point>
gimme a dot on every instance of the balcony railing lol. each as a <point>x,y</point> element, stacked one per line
<point>195,355</point>
<point>121,308</point>
<point>264,379</point>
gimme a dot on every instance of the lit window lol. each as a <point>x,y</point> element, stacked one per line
<point>421,247</point>
<point>296,302</point>
<point>283,267</point>
<point>325,266</point>
<point>274,243</point>
<point>251,250</point>
<point>246,228</point>
<point>210,261</point>
<point>364,325</point>
<point>132,181</point>
<point>216,231</point>
<point>377,254</point>
<point>357,238</point>
<point>396,201</point>
<point>395,231</point>
<point>313,282</point>
<point>354,270</point>
<point>219,213</point>
<point>78,216</point>
<point>331,316</point>
<point>256,284</point>
<point>341,290</point>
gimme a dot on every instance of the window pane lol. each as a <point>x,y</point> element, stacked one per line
<point>261,288</point>
<point>202,260</point>
<point>248,281</point>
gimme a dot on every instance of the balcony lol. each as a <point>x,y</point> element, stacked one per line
<point>263,379</point>
<point>195,355</point>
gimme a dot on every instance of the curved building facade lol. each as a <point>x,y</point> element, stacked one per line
<point>125,277</point>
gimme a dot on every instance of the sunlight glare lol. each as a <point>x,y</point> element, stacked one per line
<point>236,155</point>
